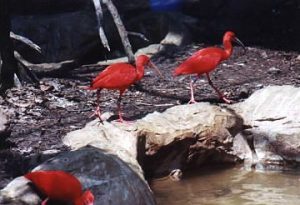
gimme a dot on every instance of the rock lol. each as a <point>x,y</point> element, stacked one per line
<point>272,115</point>
<point>4,127</point>
<point>168,141</point>
<point>110,179</point>
<point>114,138</point>
<point>244,92</point>
<point>188,135</point>
<point>18,192</point>
<point>264,54</point>
<point>61,37</point>
<point>178,34</point>
<point>274,70</point>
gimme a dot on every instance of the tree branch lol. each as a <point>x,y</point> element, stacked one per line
<point>99,14</point>
<point>26,41</point>
<point>140,35</point>
<point>121,29</point>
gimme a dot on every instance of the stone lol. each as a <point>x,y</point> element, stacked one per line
<point>272,117</point>
<point>17,192</point>
<point>111,137</point>
<point>243,92</point>
<point>182,136</point>
<point>110,179</point>
<point>4,127</point>
<point>188,135</point>
<point>274,70</point>
<point>60,36</point>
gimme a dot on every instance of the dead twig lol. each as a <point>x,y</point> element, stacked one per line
<point>140,35</point>
<point>99,14</point>
<point>121,29</point>
<point>26,41</point>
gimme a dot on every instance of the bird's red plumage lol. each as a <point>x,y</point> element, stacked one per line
<point>119,76</point>
<point>57,185</point>
<point>206,60</point>
<point>116,76</point>
<point>203,61</point>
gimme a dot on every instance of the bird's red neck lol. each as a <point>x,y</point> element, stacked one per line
<point>140,69</point>
<point>227,47</point>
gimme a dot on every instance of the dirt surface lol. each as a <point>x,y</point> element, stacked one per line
<point>41,116</point>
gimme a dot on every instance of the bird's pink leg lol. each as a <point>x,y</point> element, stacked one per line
<point>97,111</point>
<point>119,106</point>
<point>192,100</point>
<point>217,90</point>
<point>45,201</point>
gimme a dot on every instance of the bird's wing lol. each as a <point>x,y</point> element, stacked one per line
<point>202,61</point>
<point>119,75</point>
<point>206,60</point>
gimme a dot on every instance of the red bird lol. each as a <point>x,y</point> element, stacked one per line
<point>62,186</point>
<point>206,60</point>
<point>120,76</point>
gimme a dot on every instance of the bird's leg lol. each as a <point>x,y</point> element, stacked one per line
<point>45,201</point>
<point>97,111</point>
<point>217,90</point>
<point>119,106</point>
<point>192,82</point>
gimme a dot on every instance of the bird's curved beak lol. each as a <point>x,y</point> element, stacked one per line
<point>152,65</point>
<point>238,41</point>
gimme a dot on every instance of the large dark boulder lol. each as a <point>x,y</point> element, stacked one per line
<point>111,180</point>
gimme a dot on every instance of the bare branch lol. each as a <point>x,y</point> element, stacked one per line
<point>121,28</point>
<point>99,14</point>
<point>26,41</point>
<point>140,35</point>
<point>23,73</point>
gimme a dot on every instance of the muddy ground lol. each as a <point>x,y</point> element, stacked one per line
<point>41,116</point>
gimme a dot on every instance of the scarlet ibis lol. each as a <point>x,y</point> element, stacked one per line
<point>206,60</point>
<point>60,185</point>
<point>120,76</point>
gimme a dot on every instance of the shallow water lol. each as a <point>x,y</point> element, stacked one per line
<point>232,186</point>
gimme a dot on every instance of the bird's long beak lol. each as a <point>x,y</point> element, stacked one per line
<point>155,68</point>
<point>238,41</point>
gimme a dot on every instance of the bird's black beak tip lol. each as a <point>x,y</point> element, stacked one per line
<point>239,42</point>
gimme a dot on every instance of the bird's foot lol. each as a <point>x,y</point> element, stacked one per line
<point>97,113</point>
<point>120,120</point>
<point>125,121</point>
<point>226,100</point>
<point>192,101</point>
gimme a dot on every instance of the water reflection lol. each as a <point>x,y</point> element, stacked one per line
<point>232,186</point>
